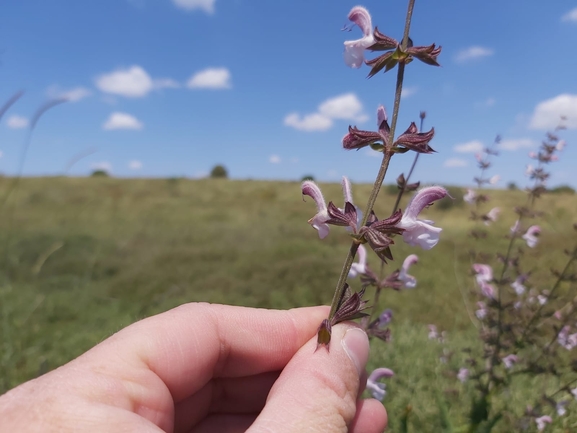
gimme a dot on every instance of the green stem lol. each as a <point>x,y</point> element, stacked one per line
<point>387,154</point>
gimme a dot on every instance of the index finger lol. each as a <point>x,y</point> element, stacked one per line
<point>189,345</point>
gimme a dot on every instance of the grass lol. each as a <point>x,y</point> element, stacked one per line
<point>81,258</point>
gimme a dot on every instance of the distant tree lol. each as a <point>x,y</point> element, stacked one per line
<point>307,177</point>
<point>562,189</point>
<point>219,171</point>
<point>512,186</point>
<point>100,173</point>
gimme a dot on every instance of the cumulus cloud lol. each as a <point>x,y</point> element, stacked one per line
<point>190,5</point>
<point>72,95</point>
<point>17,122</point>
<point>346,107</point>
<point>469,147</point>
<point>474,52</point>
<point>547,114</point>
<point>455,162</point>
<point>165,83</point>
<point>135,165</point>
<point>274,159</point>
<point>118,120</point>
<point>570,16</point>
<point>408,91</point>
<point>133,82</point>
<point>211,78</point>
<point>516,144</point>
<point>102,165</point>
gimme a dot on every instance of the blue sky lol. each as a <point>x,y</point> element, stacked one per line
<point>174,87</point>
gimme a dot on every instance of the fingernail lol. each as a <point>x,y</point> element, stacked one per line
<point>356,345</point>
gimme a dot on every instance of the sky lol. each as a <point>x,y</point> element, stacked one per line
<point>164,88</point>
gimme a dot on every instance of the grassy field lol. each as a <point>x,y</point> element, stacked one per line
<point>81,258</point>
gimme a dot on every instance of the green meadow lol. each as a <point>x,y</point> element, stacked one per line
<point>80,258</point>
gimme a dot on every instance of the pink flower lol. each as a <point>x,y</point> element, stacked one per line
<point>529,170</point>
<point>560,407</point>
<point>494,179</point>
<point>568,341</point>
<point>481,313</point>
<point>359,267</point>
<point>541,421</point>
<point>409,281</point>
<point>515,228</point>
<point>532,236</point>
<point>433,334</point>
<point>560,145</point>
<point>470,196</point>
<point>463,374</point>
<point>484,277</point>
<point>491,216</point>
<point>421,232</point>
<point>355,50</point>
<point>533,155</point>
<point>518,285</point>
<point>319,220</point>
<point>377,388</point>
<point>510,360</point>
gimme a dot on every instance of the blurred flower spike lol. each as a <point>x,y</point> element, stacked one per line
<point>484,275</point>
<point>532,236</point>
<point>421,232</point>
<point>411,139</point>
<point>377,388</point>
<point>331,214</point>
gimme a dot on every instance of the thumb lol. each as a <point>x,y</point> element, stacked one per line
<point>318,390</point>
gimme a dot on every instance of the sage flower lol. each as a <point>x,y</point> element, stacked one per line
<point>409,281</point>
<point>542,421</point>
<point>518,285</point>
<point>359,267</point>
<point>481,313</point>
<point>319,220</point>
<point>377,388</point>
<point>510,360</point>
<point>484,275</point>
<point>470,196</point>
<point>355,50</point>
<point>417,231</point>
<point>532,236</point>
<point>463,374</point>
<point>491,216</point>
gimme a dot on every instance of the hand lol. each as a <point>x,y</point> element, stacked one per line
<point>206,368</point>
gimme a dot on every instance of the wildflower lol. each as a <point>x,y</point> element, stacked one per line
<point>409,281</point>
<point>481,313</point>
<point>532,236</point>
<point>560,407</point>
<point>529,170</point>
<point>331,214</point>
<point>354,50</point>
<point>560,145</point>
<point>568,341</point>
<point>421,232</point>
<point>463,374</point>
<point>377,388</point>
<point>359,267</point>
<point>518,284</point>
<point>433,334</point>
<point>510,360</point>
<point>470,196</point>
<point>378,327</point>
<point>494,179</point>
<point>385,317</point>
<point>517,305</point>
<point>574,392</point>
<point>491,216</point>
<point>533,155</point>
<point>542,299</point>
<point>541,421</point>
<point>484,275</point>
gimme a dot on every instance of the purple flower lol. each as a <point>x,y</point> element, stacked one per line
<point>463,374</point>
<point>568,341</point>
<point>560,145</point>
<point>541,421</point>
<point>510,360</point>
<point>409,281</point>
<point>377,388</point>
<point>470,196</point>
<point>359,267</point>
<point>515,228</point>
<point>518,285</point>
<point>481,313</point>
<point>560,407</point>
<point>421,232</point>
<point>385,317</point>
<point>574,393</point>
<point>542,299</point>
<point>532,236</point>
<point>319,220</point>
<point>484,275</point>
<point>433,334</point>
<point>355,50</point>
<point>494,179</point>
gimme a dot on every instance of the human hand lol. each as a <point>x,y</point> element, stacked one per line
<point>206,368</point>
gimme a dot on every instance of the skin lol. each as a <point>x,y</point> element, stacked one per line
<point>207,368</point>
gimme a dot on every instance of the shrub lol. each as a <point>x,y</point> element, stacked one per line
<point>219,171</point>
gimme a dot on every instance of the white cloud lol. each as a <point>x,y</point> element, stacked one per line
<point>102,165</point>
<point>489,102</point>
<point>570,16</point>
<point>516,144</point>
<point>408,91</point>
<point>17,122</point>
<point>211,78</point>
<point>346,107</point>
<point>547,114</point>
<point>1,154</point>
<point>469,147</point>
<point>474,52</point>
<point>119,120</point>
<point>190,5</point>
<point>455,162</point>
<point>133,82</point>
<point>165,83</point>
<point>274,159</point>
<point>294,160</point>
<point>73,95</point>
<point>310,122</point>
<point>135,165</point>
